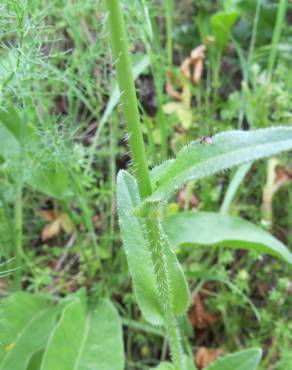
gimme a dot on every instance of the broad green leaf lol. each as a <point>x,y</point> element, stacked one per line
<point>26,324</point>
<point>35,361</point>
<point>31,339</point>
<point>92,341</point>
<point>198,160</point>
<point>248,359</point>
<point>51,180</point>
<point>221,24</point>
<point>215,229</point>
<point>139,258</point>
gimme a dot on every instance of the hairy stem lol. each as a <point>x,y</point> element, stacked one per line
<point>158,243</point>
<point>153,228</point>
<point>119,44</point>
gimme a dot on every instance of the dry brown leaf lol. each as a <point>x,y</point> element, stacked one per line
<point>196,60</point>
<point>50,230</point>
<point>58,222</point>
<point>48,214</point>
<point>171,91</point>
<point>205,356</point>
<point>198,53</point>
<point>186,68</point>
<point>198,71</point>
<point>199,317</point>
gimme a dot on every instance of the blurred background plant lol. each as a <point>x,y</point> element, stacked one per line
<point>62,144</point>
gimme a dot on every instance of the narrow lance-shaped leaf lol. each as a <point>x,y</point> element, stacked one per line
<point>198,160</point>
<point>139,256</point>
<point>215,229</point>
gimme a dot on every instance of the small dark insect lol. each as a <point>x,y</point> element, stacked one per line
<point>206,139</point>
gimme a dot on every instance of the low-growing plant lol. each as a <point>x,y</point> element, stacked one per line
<point>34,328</point>
<point>149,238</point>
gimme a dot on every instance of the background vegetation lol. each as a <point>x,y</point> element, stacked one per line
<point>200,67</point>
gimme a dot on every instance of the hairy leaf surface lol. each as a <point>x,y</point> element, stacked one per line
<point>198,160</point>
<point>139,258</point>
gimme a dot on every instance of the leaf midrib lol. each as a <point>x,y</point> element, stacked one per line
<point>84,339</point>
<point>217,157</point>
<point>20,335</point>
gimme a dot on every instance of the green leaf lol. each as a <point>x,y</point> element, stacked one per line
<point>198,160</point>
<point>248,359</point>
<point>51,180</point>
<point>92,341</point>
<point>19,143</point>
<point>26,324</point>
<point>215,229</point>
<point>138,255</point>
<point>139,258</point>
<point>221,24</point>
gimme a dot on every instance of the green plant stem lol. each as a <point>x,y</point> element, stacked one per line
<point>18,220</point>
<point>276,35</point>
<point>119,44</point>
<point>153,229</point>
<point>169,26</point>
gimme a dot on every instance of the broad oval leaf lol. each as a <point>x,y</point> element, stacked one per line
<point>248,359</point>
<point>228,149</point>
<point>26,323</point>
<point>221,24</point>
<point>139,257</point>
<point>92,341</point>
<point>215,229</point>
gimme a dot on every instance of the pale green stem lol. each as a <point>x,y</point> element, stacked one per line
<point>276,35</point>
<point>169,26</point>
<point>120,49</point>
<point>119,45</point>
<point>18,237</point>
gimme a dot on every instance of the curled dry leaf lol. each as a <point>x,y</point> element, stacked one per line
<point>205,356</point>
<point>171,91</point>
<point>195,60</point>
<point>199,316</point>
<point>58,222</point>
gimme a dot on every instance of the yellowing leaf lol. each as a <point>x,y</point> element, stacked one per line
<point>58,222</point>
<point>50,230</point>
<point>66,223</point>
